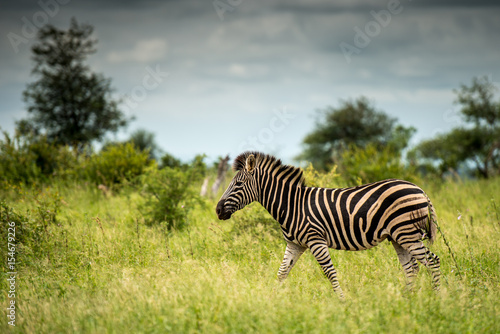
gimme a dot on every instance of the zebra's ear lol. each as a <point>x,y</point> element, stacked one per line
<point>250,163</point>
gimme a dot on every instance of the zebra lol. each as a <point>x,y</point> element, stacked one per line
<point>354,218</point>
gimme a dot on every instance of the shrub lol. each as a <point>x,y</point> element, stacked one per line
<point>17,162</point>
<point>54,160</point>
<point>33,230</point>
<point>117,164</point>
<point>374,163</point>
<point>168,160</point>
<point>330,179</point>
<point>169,194</point>
<point>21,224</point>
<point>30,159</point>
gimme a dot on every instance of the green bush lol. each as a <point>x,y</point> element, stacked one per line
<point>54,160</point>
<point>168,160</point>
<point>20,222</point>
<point>17,162</point>
<point>374,163</point>
<point>170,193</point>
<point>30,159</point>
<point>34,229</point>
<point>117,164</point>
<point>315,178</point>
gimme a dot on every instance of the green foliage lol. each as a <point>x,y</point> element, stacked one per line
<point>477,144</point>
<point>168,160</point>
<point>145,141</point>
<point>169,194</point>
<point>359,166</point>
<point>444,148</point>
<point>355,123</point>
<point>33,229</point>
<point>30,159</point>
<point>116,274</point>
<point>362,165</point>
<point>198,167</point>
<point>117,164</point>
<point>69,103</point>
<point>477,102</point>
<point>17,162</point>
<point>21,222</point>
<point>330,179</point>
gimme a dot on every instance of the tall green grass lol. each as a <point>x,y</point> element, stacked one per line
<point>100,268</point>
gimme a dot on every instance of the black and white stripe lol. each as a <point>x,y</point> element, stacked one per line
<point>354,218</point>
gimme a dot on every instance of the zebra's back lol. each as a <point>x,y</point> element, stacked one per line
<point>361,217</point>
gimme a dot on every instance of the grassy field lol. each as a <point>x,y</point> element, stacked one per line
<point>96,267</point>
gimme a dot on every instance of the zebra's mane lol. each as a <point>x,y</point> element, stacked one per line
<point>271,163</point>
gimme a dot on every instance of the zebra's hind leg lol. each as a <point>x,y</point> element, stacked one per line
<point>320,252</point>
<point>427,258</point>
<point>292,254</point>
<point>409,264</point>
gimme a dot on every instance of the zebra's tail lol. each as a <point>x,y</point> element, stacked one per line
<point>431,226</point>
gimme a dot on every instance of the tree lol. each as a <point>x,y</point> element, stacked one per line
<point>356,123</point>
<point>170,161</point>
<point>68,103</point>
<point>477,143</point>
<point>145,140</point>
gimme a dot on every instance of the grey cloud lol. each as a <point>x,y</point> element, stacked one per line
<point>266,54</point>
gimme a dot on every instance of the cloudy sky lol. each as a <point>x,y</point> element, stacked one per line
<point>222,76</point>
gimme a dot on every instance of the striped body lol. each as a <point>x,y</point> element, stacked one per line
<point>354,218</point>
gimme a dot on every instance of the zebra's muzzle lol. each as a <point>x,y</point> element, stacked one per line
<point>221,211</point>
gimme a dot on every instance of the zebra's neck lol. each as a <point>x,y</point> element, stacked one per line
<point>280,187</point>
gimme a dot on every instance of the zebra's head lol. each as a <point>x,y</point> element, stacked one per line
<point>242,190</point>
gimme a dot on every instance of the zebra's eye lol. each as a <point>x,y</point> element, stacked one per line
<point>238,183</point>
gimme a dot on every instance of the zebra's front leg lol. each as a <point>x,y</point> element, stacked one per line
<point>292,254</point>
<point>320,252</point>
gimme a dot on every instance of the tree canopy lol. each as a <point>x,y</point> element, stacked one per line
<point>144,140</point>
<point>475,145</point>
<point>68,103</point>
<point>355,123</point>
